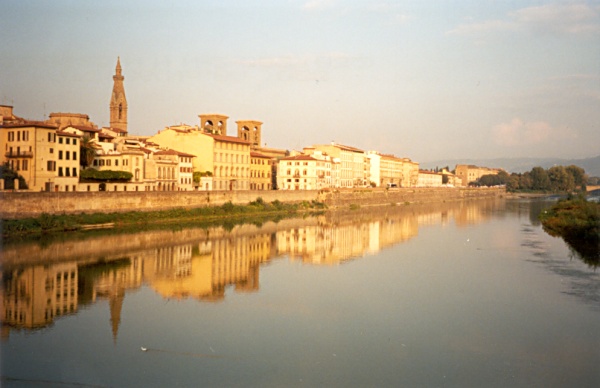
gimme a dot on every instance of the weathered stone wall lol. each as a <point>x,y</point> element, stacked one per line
<point>405,195</point>
<point>31,204</point>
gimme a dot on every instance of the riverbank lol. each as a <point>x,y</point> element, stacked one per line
<point>577,221</point>
<point>20,205</point>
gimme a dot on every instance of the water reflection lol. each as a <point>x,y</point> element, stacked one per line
<point>44,282</point>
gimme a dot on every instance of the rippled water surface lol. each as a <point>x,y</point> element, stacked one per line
<point>465,294</point>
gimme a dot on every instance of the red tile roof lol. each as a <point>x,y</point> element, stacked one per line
<point>29,123</point>
<point>299,157</point>
<point>229,139</point>
<point>84,128</point>
<point>173,152</point>
<point>259,155</point>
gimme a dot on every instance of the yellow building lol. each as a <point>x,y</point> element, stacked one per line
<point>260,171</point>
<point>30,148</point>
<point>67,161</point>
<point>226,157</point>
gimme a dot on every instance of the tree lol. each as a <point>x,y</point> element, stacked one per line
<point>560,179</point>
<point>579,176</point>
<point>87,151</point>
<point>539,179</point>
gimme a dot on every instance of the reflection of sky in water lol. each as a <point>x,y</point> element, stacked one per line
<point>467,300</point>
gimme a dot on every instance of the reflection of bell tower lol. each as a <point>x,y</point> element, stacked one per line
<point>249,130</point>
<point>214,123</point>
<point>116,304</point>
<point>118,102</point>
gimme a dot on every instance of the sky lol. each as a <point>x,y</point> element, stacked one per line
<point>428,80</point>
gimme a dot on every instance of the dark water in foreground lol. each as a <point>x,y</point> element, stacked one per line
<point>461,295</point>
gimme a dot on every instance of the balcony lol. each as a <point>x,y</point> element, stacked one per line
<point>19,154</point>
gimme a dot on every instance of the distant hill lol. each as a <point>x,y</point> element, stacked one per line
<point>590,165</point>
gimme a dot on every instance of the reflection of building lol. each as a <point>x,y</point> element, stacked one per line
<point>333,244</point>
<point>109,281</point>
<point>204,273</point>
<point>33,297</point>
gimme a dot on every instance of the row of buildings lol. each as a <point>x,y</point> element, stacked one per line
<point>50,155</point>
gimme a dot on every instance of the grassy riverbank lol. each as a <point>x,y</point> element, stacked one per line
<point>577,221</point>
<point>48,224</point>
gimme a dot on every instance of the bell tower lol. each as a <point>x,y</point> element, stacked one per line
<point>118,101</point>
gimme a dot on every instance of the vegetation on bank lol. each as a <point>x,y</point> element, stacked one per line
<point>46,223</point>
<point>90,174</point>
<point>557,179</point>
<point>577,221</point>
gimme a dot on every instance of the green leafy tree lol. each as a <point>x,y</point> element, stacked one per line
<point>560,179</point>
<point>579,176</point>
<point>9,175</point>
<point>539,179</point>
<point>86,151</point>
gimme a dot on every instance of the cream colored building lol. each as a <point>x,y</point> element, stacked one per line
<point>429,179</point>
<point>184,174</point>
<point>353,170</point>
<point>410,173</point>
<point>304,172</point>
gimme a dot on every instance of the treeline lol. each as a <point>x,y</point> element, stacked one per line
<point>556,179</point>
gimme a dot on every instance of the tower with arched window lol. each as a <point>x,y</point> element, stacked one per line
<point>118,101</point>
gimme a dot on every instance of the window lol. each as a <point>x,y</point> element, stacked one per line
<point>74,141</point>
<point>60,140</point>
<point>25,165</point>
<point>51,150</point>
<point>68,141</point>
<point>116,162</point>
<point>51,165</point>
<point>18,135</point>
<point>60,171</point>
<point>60,155</point>
<point>67,155</point>
<point>74,172</point>
<point>74,155</point>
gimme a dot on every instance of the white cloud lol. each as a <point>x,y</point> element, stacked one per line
<point>577,18</point>
<point>519,133</point>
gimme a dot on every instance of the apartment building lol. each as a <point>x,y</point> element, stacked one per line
<point>260,171</point>
<point>304,172</point>
<point>30,148</point>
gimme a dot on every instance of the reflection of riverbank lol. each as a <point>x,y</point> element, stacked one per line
<point>42,282</point>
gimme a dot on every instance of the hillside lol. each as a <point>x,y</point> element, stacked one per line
<point>590,165</point>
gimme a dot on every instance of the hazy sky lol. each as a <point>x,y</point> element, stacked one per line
<point>429,80</point>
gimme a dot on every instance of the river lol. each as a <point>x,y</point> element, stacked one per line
<point>462,294</point>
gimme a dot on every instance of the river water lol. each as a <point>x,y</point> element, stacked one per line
<point>466,294</point>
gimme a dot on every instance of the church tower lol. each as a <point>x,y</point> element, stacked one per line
<point>118,102</point>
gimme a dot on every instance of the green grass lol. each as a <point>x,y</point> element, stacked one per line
<point>49,224</point>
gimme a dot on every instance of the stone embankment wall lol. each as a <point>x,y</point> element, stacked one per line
<point>32,204</point>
